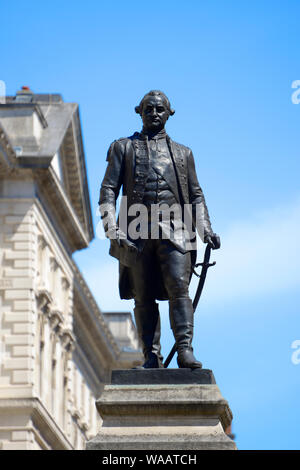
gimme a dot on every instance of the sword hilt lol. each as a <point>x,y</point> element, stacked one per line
<point>207,265</point>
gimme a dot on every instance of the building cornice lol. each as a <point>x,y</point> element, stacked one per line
<point>50,189</point>
<point>76,174</point>
<point>62,134</point>
<point>35,106</point>
<point>92,323</point>
<point>8,157</point>
<point>83,290</point>
<point>42,420</point>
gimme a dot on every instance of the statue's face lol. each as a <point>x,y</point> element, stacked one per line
<point>155,113</point>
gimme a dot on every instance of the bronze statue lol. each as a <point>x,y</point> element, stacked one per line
<point>156,172</point>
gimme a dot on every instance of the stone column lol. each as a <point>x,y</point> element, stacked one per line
<point>162,409</point>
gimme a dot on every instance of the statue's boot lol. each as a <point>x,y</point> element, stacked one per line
<point>148,327</point>
<point>182,324</point>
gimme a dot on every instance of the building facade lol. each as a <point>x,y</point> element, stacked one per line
<point>57,349</point>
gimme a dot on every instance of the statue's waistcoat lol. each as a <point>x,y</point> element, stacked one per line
<point>157,190</point>
<point>172,173</point>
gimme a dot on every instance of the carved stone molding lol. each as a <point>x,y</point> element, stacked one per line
<point>79,419</point>
<point>44,299</point>
<point>68,340</point>
<point>76,415</point>
<point>42,242</point>
<point>11,159</point>
<point>56,320</point>
<point>65,283</point>
<point>54,265</point>
<point>83,426</point>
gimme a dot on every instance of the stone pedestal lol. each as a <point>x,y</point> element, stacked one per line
<point>162,409</point>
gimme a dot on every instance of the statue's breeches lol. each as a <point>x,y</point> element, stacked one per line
<point>160,260</point>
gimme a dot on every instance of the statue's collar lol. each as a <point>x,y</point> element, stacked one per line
<point>160,135</point>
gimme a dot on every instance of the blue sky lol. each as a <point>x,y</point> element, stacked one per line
<point>228,69</point>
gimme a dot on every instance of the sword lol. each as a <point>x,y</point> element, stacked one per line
<point>205,265</point>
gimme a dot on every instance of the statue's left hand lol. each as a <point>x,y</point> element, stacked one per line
<point>213,241</point>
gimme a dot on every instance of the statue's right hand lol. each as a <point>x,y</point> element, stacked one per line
<point>123,242</point>
<point>120,237</point>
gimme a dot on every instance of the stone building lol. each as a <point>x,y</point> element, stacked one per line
<point>57,348</point>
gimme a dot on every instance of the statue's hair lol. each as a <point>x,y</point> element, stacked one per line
<point>139,108</point>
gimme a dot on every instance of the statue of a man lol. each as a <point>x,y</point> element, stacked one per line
<point>154,171</point>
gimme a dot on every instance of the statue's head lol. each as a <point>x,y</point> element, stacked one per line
<point>154,110</point>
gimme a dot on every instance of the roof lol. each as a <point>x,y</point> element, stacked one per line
<point>54,128</point>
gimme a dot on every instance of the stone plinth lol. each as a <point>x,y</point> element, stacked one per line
<point>162,409</point>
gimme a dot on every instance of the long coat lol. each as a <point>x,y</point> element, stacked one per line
<point>128,164</point>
